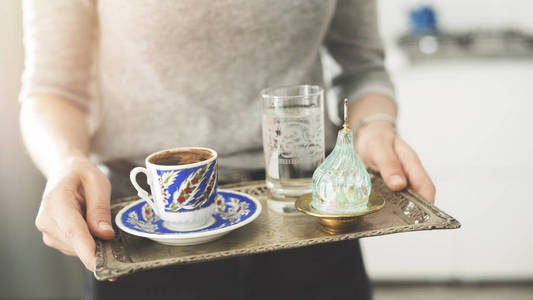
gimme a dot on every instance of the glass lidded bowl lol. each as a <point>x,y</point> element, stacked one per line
<point>341,184</point>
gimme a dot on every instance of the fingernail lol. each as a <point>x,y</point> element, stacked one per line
<point>104,226</point>
<point>396,180</point>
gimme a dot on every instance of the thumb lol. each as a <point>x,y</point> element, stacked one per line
<point>97,190</point>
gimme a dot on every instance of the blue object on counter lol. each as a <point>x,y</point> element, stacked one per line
<point>422,20</point>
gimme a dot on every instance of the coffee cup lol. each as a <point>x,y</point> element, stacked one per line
<point>183,184</point>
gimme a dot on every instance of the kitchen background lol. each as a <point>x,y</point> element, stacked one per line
<point>464,77</point>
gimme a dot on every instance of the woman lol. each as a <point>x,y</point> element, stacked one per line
<point>116,80</point>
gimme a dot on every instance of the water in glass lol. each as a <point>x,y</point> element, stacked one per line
<point>293,138</point>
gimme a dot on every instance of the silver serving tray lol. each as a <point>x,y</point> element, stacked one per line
<point>403,211</point>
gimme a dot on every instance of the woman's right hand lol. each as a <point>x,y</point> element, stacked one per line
<point>75,204</point>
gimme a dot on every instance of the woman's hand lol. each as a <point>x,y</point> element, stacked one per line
<point>382,150</point>
<point>76,190</point>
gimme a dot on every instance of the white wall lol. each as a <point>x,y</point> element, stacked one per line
<point>470,121</point>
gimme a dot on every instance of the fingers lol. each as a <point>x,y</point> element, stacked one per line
<point>388,164</point>
<point>417,175</point>
<point>60,216</point>
<point>72,229</point>
<point>398,164</point>
<point>52,236</point>
<point>97,190</point>
<point>58,244</point>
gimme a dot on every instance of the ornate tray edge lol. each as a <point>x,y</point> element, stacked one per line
<point>104,271</point>
<point>121,268</point>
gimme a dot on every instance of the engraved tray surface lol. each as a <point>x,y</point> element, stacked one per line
<point>126,254</point>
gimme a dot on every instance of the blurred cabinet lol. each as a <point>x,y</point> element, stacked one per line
<point>470,122</point>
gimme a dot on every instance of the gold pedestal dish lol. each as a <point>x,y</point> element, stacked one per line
<point>339,223</point>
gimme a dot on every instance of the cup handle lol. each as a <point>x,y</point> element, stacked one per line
<point>140,191</point>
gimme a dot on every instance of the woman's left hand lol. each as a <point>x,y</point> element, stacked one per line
<point>381,149</point>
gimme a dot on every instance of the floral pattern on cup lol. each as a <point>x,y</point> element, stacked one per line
<point>188,189</point>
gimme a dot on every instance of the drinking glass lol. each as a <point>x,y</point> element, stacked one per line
<point>293,140</point>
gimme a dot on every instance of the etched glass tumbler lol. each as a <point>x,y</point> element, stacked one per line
<point>293,138</point>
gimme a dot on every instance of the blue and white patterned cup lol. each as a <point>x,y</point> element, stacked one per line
<point>183,194</point>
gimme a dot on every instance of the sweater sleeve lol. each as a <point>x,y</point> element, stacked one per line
<point>58,41</point>
<point>353,41</point>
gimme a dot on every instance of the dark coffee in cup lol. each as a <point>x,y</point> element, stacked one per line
<point>181,157</point>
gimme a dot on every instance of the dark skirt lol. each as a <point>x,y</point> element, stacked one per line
<point>324,271</point>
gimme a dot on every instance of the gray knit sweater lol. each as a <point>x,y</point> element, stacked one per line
<point>166,73</point>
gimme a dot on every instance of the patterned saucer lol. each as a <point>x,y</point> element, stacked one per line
<point>233,210</point>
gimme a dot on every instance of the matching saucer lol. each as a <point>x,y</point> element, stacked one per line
<point>233,210</point>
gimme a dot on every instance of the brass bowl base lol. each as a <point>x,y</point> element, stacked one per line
<point>335,226</point>
<point>339,223</point>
